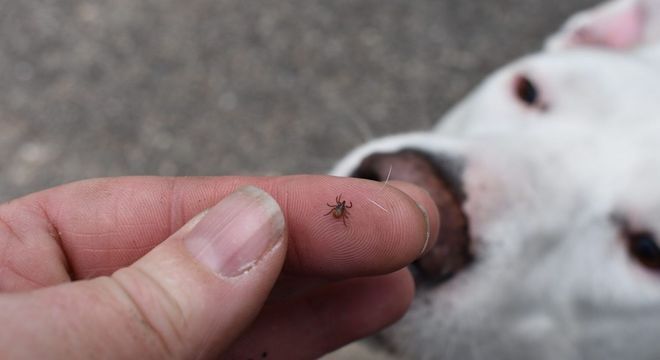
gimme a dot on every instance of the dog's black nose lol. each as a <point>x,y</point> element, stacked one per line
<point>439,177</point>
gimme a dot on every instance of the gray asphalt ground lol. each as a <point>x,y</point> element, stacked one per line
<point>218,87</point>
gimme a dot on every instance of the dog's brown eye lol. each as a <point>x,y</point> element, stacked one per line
<point>641,244</point>
<point>644,247</point>
<point>527,92</point>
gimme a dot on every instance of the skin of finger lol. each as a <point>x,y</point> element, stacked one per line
<point>327,318</point>
<point>166,305</point>
<point>428,205</point>
<point>32,256</point>
<point>106,224</point>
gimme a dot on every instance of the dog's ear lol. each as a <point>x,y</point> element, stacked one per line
<point>617,24</point>
<point>441,178</point>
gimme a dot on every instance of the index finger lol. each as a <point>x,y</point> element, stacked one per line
<point>102,225</point>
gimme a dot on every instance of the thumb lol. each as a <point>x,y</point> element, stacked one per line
<point>191,296</point>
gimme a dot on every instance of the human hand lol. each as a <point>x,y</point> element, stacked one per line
<point>133,267</point>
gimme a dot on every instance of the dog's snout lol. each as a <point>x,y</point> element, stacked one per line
<point>452,251</point>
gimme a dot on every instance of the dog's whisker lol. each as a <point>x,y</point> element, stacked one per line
<point>387,180</point>
<point>378,205</point>
<point>381,189</point>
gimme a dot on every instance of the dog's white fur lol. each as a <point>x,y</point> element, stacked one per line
<point>552,278</point>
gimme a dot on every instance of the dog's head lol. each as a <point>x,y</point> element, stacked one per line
<point>548,183</point>
<point>548,243</point>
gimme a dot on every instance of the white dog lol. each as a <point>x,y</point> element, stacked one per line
<point>548,181</point>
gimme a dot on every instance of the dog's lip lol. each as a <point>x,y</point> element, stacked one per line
<point>452,251</point>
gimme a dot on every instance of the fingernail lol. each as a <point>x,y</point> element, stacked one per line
<point>427,222</point>
<point>414,192</point>
<point>234,234</point>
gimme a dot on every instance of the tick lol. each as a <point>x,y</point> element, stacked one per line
<point>340,209</point>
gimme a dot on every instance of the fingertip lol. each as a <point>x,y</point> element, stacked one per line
<point>428,211</point>
<point>385,229</point>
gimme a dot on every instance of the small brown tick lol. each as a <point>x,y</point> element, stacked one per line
<point>340,209</point>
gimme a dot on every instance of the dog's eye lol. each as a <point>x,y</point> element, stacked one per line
<point>644,247</point>
<point>528,92</point>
